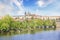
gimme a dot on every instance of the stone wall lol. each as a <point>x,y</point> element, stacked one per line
<point>58,25</point>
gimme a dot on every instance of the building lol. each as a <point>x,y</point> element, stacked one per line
<point>34,16</point>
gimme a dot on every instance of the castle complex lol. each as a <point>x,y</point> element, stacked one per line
<point>30,16</point>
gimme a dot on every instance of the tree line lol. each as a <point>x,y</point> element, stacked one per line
<point>7,23</point>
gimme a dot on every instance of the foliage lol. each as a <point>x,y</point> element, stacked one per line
<point>48,22</point>
<point>8,23</point>
<point>4,27</point>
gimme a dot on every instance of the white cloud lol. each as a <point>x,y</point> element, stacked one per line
<point>9,9</point>
<point>5,9</point>
<point>47,13</point>
<point>43,3</point>
<point>20,6</point>
<point>1,6</point>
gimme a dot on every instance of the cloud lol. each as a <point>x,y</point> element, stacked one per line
<point>40,3</point>
<point>47,13</point>
<point>44,3</point>
<point>1,6</point>
<point>20,6</point>
<point>7,7</point>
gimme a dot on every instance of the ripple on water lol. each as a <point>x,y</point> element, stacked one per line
<point>46,35</point>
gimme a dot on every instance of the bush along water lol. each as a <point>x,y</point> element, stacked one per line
<point>8,24</point>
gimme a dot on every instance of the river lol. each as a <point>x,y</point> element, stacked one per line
<point>45,35</point>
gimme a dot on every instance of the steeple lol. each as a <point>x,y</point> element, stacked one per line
<point>25,12</point>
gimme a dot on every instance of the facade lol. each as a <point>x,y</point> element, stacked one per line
<point>58,24</point>
<point>30,16</point>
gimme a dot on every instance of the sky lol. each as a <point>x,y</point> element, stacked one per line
<point>39,7</point>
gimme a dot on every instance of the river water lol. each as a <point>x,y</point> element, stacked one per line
<point>45,35</point>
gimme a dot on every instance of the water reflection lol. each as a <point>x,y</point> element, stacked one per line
<point>46,35</point>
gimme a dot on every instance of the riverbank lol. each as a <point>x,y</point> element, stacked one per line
<point>7,23</point>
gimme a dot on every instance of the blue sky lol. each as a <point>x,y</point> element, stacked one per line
<point>39,7</point>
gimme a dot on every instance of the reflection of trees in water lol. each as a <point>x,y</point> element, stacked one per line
<point>59,35</point>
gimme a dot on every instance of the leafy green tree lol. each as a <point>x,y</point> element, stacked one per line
<point>39,22</point>
<point>54,22</point>
<point>25,24</point>
<point>4,27</point>
<point>7,19</point>
<point>15,25</point>
<point>48,22</point>
<point>31,24</point>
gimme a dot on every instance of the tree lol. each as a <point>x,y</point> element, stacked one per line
<point>7,19</point>
<point>48,22</point>
<point>15,25</point>
<point>39,22</point>
<point>4,27</point>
